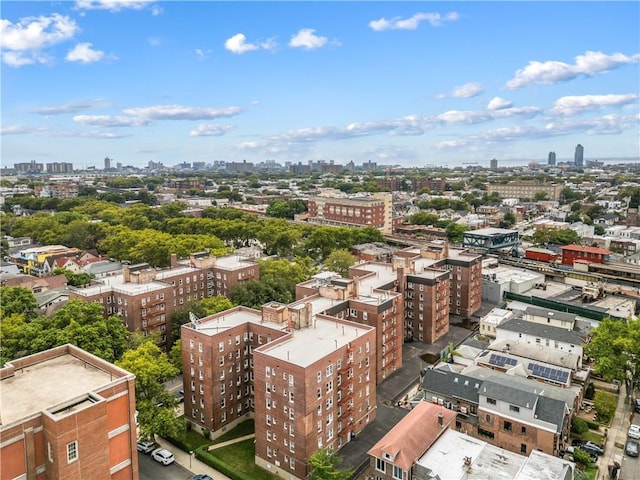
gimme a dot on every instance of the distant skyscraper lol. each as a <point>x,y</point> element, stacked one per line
<point>493,164</point>
<point>578,158</point>
<point>107,163</point>
<point>552,158</point>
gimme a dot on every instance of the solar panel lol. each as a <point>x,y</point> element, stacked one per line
<point>548,372</point>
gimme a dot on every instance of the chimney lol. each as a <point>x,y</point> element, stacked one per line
<point>174,260</point>
<point>440,419</point>
<point>126,273</point>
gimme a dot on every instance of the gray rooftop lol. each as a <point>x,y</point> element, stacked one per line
<point>542,331</point>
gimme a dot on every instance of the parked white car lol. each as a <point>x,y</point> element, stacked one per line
<point>163,456</point>
<point>147,446</point>
<point>634,432</point>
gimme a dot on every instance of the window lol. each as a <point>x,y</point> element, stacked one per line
<point>380,465</point>
<point>49,452</point>
<point>523,448</point>
<point>397,472</point>
<point>491,401</point>
<point>508,426</point>
<point>72,451</point>
<point>523,430</point>
<point>514,408</point>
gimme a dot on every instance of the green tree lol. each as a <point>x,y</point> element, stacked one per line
<point>154,403</point>
<point>339,261</point>
<point>579,425</point>
<point>615,346</point>
<point>325,464</point>
<point>605,404</point>
<point>581,456</point>
<point>509,219</point>
<point>175,355</point>
<point>17,300</point>
<point>79,323</point>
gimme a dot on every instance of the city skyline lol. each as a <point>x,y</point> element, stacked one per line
<point>407,83</point>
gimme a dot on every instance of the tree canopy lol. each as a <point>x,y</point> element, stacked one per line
<point>325,465</point>
<point>339,261</point>
<point>79,323</point>
<point>615,346</point>
<point>154,403</point>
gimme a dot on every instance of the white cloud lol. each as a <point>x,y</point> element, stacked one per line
<point>467,90</point>
<point>497,103</point>
<point>306,38</point>
<point>181,112</point>
<point>84,53</point>
<point>110,121</point>
<point>412,23</point>
<point>22,42</point>
<point>210,130</point>
<point>551,72</point>
<point>468,117</point>
<point>573,104</point>
<point>237,44</point>
<point>70,107</point>
<point>116,5</point>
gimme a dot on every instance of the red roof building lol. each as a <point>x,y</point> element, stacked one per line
<point>570,253</point>
<point>395,453</point>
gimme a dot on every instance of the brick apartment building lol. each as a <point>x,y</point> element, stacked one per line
<point>438,281</point>
<point>67,415</point>
<point>145,296</point>
<point>416,184</point>
<point>368,298</point>
<point>243,362</point>
<point>361,210</point>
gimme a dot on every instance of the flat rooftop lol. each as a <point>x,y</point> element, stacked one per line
<point>384,274</point>
<point>446,458</point>
<point>325,335</point>
<point>233,262</point>
<point>117,284</point>
<point>172,272</point>
<point>230,319</point>
<point>48,383</point>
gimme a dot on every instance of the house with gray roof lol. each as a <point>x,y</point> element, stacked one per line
<point>517,330</point>
<point>518,414</point>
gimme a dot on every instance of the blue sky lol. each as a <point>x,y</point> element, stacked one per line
<point>408,83</point>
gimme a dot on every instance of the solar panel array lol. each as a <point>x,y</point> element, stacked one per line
<point>501,360</point>
<point>549,373</point>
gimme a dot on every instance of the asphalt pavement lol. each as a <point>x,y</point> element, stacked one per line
<point>616,441</point>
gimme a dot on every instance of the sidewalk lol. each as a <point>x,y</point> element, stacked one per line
<point>617,435</point>
<point>190,462</point>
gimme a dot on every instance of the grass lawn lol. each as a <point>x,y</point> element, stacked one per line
<point>592,436</point>
<point>590,473</point>
<point>192,439</point>
<point>240,457</point>
<point>245,428</point>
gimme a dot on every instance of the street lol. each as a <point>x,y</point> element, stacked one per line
<point>631,466</point>
<point>149,469</point>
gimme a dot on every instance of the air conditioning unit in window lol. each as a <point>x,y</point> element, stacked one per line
<point>463,410</point>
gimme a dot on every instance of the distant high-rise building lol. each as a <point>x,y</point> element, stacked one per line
<point>552,158</point>
<point>107,163</point>
<point>59,167</point>
<point>493,164</point>
<point>578,157</point>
